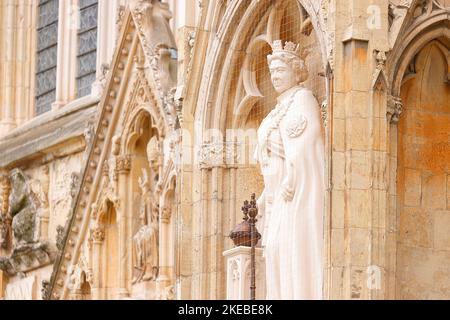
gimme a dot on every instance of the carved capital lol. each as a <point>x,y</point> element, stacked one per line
<point>123,164</point>
<point>166,213</point>
<point>213,155</point>
<point>98,234</point>
<point>394,109</point>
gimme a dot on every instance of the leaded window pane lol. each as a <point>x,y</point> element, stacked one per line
<point>47,36</point>
<point>46,81</point>
<point>47,51</point>
<point>46,60</point>
<point>45,101</point>
<point>48,12</point>
<point>87,42</point>
<point>87,3</point>
<point>84,84</point>
<point>87,46</point>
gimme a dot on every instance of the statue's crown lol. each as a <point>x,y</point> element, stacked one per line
<point>291,48</point>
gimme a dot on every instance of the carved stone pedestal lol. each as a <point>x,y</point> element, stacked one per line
<point>239,273</point>
<point>28,257</point>
<point>24,289</point>
<point>146,290</point>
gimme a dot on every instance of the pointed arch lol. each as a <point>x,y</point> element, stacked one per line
<point>233,96</point>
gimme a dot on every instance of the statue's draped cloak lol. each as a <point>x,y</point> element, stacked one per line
<point>293,230</point>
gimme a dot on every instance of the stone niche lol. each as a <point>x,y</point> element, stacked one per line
<point>423,186</point>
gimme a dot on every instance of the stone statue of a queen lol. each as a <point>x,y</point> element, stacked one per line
<point>290,152</point>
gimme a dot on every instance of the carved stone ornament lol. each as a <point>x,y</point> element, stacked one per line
<point>394,109</point>
<point>152,20</point>
<point>296,126</point>
<point>60,230</point>
<point>220,154</point>
<point>27,252</point>
<point>324,112</point>
<point>397,14</point>
<point>171,108</point>
<point>98,234</point>
<point>146,240</point>
<point>166,214</point>
<point>123,164</point>
<point>45,291</point>
<point>5,219</point>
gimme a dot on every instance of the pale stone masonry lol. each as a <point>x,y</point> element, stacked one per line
<point>180,89</point>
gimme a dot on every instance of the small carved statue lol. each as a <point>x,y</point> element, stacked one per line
<point>154,154</point>
<point>22,209</point>
<point>145,241</point>
<point>397,14</point>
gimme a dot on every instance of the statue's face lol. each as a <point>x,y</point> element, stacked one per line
<point>282,75</point>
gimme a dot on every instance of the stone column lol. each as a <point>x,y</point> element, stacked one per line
<point>67,53</point>
<point>123,168</point>
<point>107,31</point>
<point>9,17</point>
<point>165,269</point>
<point>17,58</point>
<point>98,236</point>
<point>359,153</point>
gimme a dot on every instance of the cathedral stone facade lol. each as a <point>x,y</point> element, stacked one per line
<point>128,128</point>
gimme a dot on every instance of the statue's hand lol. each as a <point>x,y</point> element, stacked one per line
<point>287,192</point>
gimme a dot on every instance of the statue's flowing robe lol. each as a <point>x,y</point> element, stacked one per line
<point>293,230</point>
<point>145,243</point>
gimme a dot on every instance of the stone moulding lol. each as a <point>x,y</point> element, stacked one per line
<point>27,258</point>
<point>46,131</point>
<point>113,105</point>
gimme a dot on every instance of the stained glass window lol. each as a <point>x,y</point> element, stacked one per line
<point>47,50</point>
<point>87,46</point>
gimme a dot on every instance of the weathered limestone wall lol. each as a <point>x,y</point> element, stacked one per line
<point>389,224</point>
<point>359,153</point>
<point>50,152</point>
<point>424,180</point>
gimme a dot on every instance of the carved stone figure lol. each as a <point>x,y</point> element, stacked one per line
<point>145,241</point>
<point>152,20</point>
<point>22,209</point>
<point>397,14</point>
<point>154,154</point>
<point>28,253</point>
<point>290,151</point>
